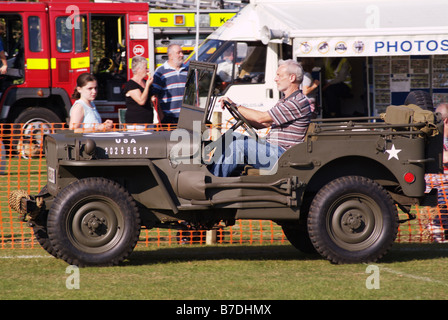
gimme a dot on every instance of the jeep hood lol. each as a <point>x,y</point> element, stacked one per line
<point>121,144</point>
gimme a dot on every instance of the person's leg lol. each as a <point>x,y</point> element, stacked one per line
<point>261,154</point>
<point>228,156</point>
<point>243,150</point>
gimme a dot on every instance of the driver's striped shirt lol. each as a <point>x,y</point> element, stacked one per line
<point>291,117</point>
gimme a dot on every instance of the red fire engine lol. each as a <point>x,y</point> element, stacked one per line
<point>49,44</point>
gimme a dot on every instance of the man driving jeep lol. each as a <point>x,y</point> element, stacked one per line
<point>288,121</point>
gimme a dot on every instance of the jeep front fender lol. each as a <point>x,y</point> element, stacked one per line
<point>140,177</point>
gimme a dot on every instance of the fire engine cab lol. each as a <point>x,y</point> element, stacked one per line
<point>49,44</point>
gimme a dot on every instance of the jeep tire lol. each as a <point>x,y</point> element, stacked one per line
<point>93,222</point>
<point>352,220</point>
<point>297,235</point>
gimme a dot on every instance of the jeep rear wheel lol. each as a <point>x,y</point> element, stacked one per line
<point>93,222</point>
<point>352,220</point>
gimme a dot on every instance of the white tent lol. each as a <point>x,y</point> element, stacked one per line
<point>321,28</point>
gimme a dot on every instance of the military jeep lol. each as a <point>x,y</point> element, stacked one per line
<point>335,194</point>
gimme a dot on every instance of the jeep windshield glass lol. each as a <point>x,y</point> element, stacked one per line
<point>197,88</point>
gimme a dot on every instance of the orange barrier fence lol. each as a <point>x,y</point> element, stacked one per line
<point>23,166</point>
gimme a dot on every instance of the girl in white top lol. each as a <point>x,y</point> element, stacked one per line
<point>83,115</point>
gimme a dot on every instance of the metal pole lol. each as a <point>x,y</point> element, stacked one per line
<point>197,29</point>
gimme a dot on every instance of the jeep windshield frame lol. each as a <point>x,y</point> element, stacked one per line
<point>199,87</point>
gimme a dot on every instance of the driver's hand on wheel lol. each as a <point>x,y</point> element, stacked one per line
<point>225,99</point>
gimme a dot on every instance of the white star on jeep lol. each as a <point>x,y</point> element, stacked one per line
<point>393,153</point>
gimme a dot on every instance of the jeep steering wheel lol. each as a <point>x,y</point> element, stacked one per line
<point>240,120</point>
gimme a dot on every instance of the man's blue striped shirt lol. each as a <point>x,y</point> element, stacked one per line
<point>169,86</point>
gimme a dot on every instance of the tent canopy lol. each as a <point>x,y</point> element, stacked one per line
<point>346,27</point>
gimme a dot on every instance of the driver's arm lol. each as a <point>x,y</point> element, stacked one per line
<point>258,119</point>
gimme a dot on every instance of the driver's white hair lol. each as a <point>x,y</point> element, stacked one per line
<point>293,67</point>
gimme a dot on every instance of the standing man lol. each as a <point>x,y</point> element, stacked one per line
<point>288,120</point>
<point>169,84</point>
<point>338,85</point>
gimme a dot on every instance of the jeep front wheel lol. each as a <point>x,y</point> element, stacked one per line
<point>93,222</point>
<point>352,220</point>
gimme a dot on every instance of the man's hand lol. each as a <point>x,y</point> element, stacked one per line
<point>223,99</point>
<point>3,69</point>
<point>108,125</point>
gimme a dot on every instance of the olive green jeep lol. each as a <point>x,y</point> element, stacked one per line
<point>335,194</point>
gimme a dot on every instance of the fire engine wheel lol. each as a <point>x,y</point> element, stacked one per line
<point>352,220</point>
<point>93,222</point>
<point>31,125</point>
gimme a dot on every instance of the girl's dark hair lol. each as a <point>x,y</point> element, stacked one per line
<point>82,80</point>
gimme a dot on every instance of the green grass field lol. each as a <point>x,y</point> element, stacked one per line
<point>229,272</point>
<point>222,272</point>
